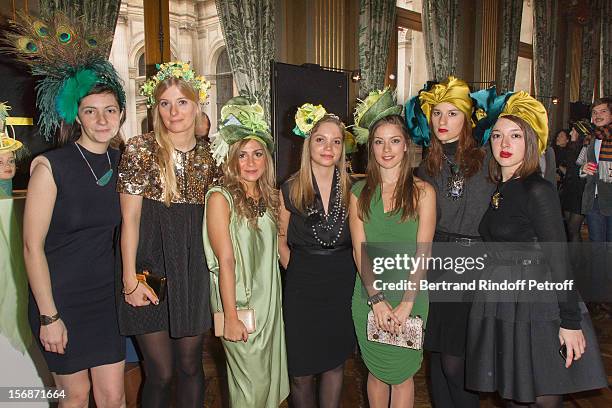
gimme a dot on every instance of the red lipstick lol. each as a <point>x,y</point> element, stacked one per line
<point>505,155</point>
<point>442,130</point>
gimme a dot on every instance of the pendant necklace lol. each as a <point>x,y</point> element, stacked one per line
<point>257,207</point>
<point>455,184</point>
<point>102,181</point>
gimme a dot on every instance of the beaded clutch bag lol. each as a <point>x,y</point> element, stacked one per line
<point>411,336</point>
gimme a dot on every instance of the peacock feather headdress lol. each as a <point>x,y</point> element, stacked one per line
<point>69,57</point>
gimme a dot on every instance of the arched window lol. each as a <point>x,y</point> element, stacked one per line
<point>225,81</point>
<point>142,68</point>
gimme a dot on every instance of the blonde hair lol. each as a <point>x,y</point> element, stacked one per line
<point>302,192</point>
<point>265,184</point>
<point>165,153</point>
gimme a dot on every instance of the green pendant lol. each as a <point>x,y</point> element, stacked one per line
<point>102,181</point>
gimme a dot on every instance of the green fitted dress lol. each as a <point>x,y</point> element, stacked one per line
<point>256,370</point>
<point>390,364</point>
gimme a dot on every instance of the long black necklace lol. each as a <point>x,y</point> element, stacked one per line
<point>333,219</point>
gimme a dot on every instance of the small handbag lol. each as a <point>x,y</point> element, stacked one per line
<point>410,337</point>
<point>157,284</point>
<point>246,316</point>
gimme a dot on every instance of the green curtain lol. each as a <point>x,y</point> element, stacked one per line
<point>544,49</point>
<point>95,12</point>
<point>376,25</point>
<point>587,62</point>
<point>440,22</point>
<point>605,11</point>
<point>248,29</point>
<point>512,12</point>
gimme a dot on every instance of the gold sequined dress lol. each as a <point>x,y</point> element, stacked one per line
<point>170,240</point>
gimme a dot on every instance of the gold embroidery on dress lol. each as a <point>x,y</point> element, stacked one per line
<point>139,172</point>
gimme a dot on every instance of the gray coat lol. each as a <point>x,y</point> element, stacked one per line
<point>604,190</point>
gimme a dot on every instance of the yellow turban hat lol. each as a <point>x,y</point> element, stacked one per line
<point>526,107</point>
<point>454,91</point>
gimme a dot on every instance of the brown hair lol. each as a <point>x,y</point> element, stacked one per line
<point>165,159</point>
<point>406,194</point>
<point>531,160</point>
<point>469,155</point>
<point>302,192</point>
<point>72,132</point>
<point>232,181</point>
<point>602,101</point>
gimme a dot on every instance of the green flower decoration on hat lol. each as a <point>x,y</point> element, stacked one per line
<point>377,105</point>
<point>240,119</point>
<point>307,117</point>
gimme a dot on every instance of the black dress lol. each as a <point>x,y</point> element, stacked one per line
<point>318,291</point>
<point>513,344</point>
<point>572,185</point>
<point>80,253</point>
<point>170,238</point>
<point>456,219</point>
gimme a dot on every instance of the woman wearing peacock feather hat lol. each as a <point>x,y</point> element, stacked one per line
<point>390,206</point>
<point>315,249</point>
<point>240,241</point>
<point>72,209</point>
<point>163,179</point>
<point>442,119</point>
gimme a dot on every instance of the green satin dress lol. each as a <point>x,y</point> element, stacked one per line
<point>256,370</point>
<point>390,364</point>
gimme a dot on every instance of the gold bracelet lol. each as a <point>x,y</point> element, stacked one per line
<point>129,293</point>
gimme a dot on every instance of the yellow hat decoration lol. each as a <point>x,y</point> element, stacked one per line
<point>526,107</point>
<point>453,90</point>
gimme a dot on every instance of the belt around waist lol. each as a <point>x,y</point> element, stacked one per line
<point>467,240</point>
<point>322,250</point>
<point>518,261</point>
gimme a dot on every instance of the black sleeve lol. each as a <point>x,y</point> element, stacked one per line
<point>545,214</point>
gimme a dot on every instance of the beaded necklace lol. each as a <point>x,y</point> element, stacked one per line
<point>334,218</point>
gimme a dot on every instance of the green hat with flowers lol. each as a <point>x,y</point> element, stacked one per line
<point>175,69</point>
<point>241,119</point>
<point>377,105</point>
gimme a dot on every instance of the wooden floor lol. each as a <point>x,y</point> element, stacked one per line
<point>354,381</point>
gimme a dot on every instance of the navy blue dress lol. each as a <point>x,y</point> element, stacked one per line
<point>80,249</point>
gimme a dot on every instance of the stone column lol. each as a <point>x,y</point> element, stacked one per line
<point>119,58</point>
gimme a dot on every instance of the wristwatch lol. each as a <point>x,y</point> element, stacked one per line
<point>47,320</point>
<point>376,298</point>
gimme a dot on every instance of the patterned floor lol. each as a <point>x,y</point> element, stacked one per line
<point>355,374</point>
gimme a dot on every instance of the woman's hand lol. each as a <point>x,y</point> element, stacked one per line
<point>54,337</point>
<point>402,312</point>
<point>384,316</point>
<point>575,343</point>
<point>235,330</point>
<point>142,295</point>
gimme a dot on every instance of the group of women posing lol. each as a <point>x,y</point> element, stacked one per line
<point>208,219</point>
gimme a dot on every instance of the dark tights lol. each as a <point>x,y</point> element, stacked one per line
<point>573,222</point>
<point>543,401</point>
<point>303,389</point>
<point>161,356</point>
<point>448,383</point>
